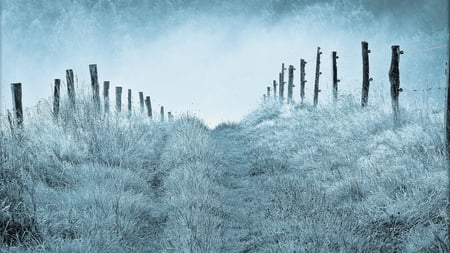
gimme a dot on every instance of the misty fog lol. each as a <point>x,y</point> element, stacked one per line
<point>216,58</point>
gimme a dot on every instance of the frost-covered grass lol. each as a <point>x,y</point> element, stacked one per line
<point>285,179</point>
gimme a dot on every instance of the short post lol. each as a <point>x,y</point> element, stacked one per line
<point>318,73</point>
<point>141,101</point>
<point>302,80</point>
<point>118,99</point>
<point>268,91</point>
<point>16,89</point>
<point>264,97</point>
<point>281,83</point>
<point>149,107</point>
<point>70,87</point>
<point>394,78</point>
<point>106,95</point>
<point>334,58</point>
<point>291,84</point>
<point>366,78</point>
<point>95,86</point>
<point>170,116</point>
<point>275,90</point>
<point>56,98</point>
<point>162,113</point>
<point>129,101</point>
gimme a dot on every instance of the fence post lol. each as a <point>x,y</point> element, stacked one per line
<point>447,116</point>
<point>95,86</point>
<point>70,87</point>
<point>275,90</point>
<point>394,78</point>
<point>302,80</point>
<point>118,99</point>
<point>281,82</point>
<point>16,89</point>
<point>141,101</point>
<point>334,57</point>
<point>366,78</point>
<point>106,95</point>
<point>162,113</point>
<point>268,92</point>
<point>129,101</point>
<point>149,107</point>
<point>290,84</point>
<point>56,98</point>
<point>318,73</point>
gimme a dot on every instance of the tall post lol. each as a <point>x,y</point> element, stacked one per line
<point>268,91</point>
<point>16,89</point>
<point>302,80</point>
<point>394,78</point>
<point>149,107</point>
<point>141,101</point>
<point>334,58</point>
<point>162,113</point>
<point>318,73</point>
<point>56,98</point>
<point>366,78</point>
<point>106,95</point>
<point>281,83</point>
<point>70,87</point>
<point>118,99</point>
<point>95,86</point>
<point>129,101</point>
<point>291,84</point>
<point>275,90</point>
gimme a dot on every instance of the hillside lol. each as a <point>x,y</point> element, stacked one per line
<point>284,179</point>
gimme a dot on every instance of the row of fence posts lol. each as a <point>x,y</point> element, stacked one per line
<point>16,89</point>
<point>394,78</point>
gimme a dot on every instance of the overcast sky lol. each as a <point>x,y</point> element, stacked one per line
<point>213,57</point>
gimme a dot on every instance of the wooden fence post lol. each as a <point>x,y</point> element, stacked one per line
<point>302,80</point>
<point>318,73</point>
<point>141,101</point>
<point>106,95</point>
<point>334,57</point>
<point>162,113</point>
<point>447,116</point>
<point>118,99</point>
<point>275,90</point>
<point>170,116</point>
<point>16,90</point>
<point>95,86</point>
<point>56,98</point>
<point>291,84</point>
<point>281,83</point>
<point>366,78</point>
<point>149,107</point>
<point>394,78</point>
<point>268,92</point>
<point>129,101</point>
<point>70,87</point>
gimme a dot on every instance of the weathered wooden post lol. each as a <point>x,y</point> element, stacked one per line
<point>334,58</point>
<point>170,116</point>
<point>118,99</point>
<point>275,90</point>
<point>366,78</point>
<point>264,97</point>
<point>318,73</point>
<point>106,95</point>
<point>302,80</point>
<point>281,83</point>
<point>162,113</point>
<point>394,78</point>
<point>95,86</point>
<point>56,98</point>
<point>141,101</point>
<point>149,107</point>
<point>16,90</point>
<point>129,101</point>
<point>448,118</point>
<point>70,87</point>
<point>268,92</point>
<point>291,84</point>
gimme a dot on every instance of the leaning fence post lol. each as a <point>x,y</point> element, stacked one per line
<point>129,101</point>
<point>70,87</point>
<point>162,113</point>
<point>282,82</point>
<point>141,101</point>
<point>318,73</point>
<point>16,89</point>
<point>334,57</point>
<point>290,84</point>
<point>302,80</point>
<point>95,86</point>
<point>106,95</point>
<point>394,78</point>
<point>275,90</point>
<point>149,107</point>
<point>56,98</point>
<point>118,99</point>
<point>366,78</point>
